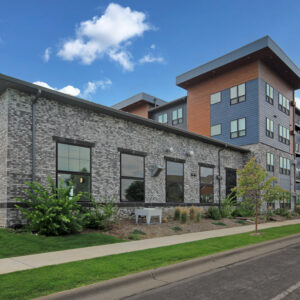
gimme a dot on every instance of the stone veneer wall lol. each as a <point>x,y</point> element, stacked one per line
<point>108,133</point>
<point>3,156</point>
<point>287,182</point>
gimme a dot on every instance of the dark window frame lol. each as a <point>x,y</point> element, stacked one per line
<point>78,144</point>
<point>268,98</point>
<point>213,183</point>
<point>132,153</point>
<point>282,139</point>
<point>239,98</point>
<point>178,120</point>
<point>269,168</point>
<point>284,171</point>
<point>162,116</point>
<point>238,131</point>
<point>235,170</point>
<point>281,107</point>
<point>176,160</point>
<point>269,133</point>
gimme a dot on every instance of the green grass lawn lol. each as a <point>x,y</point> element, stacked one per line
<point>42,281</point>
<point>17,244</point>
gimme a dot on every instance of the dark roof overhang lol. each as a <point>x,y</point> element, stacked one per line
<point>264,49</point>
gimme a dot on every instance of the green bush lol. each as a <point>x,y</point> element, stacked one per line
<point>177,213</point>
<point>213,213</point>
<point>198,216</point>
<point>176,228</point>
<point>134,237</point>
<point>297,210</point>
<point>227,207</point>
<point>283,212</point>
<point>101,215</point>
<point>242,211</point>
<point>51,210</point>
<point>136,231</point>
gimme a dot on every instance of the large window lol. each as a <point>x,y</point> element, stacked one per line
<point>270,128</point>
<point>283,104</point>
<point>284,166</point>
<point>215,130</point>
<point>163,118</point>
<point>177,117</point>
<point>174,181</point>
<point>132,178</point>
<point>269,94</point>
<point>215,98</point>
<point>270,162</point>
<point>237,94</point>
<point>237,128</point>
<point>206,184</point>
<point>284,135</point>
<point>74,165</point>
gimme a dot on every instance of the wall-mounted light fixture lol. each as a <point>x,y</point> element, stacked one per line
<point>156,170</point>
<point>190,153</point>
<point>170,150</point>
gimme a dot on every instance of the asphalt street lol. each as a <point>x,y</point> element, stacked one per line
<point>275,276</point>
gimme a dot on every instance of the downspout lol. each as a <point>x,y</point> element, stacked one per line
<point>33,128</point>
<point>219,172</point>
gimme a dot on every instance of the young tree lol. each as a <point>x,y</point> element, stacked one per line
<point>254,186</point>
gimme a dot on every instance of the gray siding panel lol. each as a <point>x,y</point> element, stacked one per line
<point>169,110</point>
<point>222,113</point>
<point>267,110</point>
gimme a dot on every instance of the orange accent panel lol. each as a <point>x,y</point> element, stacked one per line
<point>198,101</point>
<point>141,109</point>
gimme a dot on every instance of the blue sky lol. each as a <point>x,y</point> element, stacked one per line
<point>107,51</point>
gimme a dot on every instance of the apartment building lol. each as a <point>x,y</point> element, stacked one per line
<point>245,98</point>
<point>147,152</point>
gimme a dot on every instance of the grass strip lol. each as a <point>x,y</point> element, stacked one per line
<point>13,243</point>
<point>46,280</point>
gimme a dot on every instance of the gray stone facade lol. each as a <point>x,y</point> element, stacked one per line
<point>3,156</point>
<point>108,133</point>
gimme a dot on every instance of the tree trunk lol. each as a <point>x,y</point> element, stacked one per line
<point>256,215</point>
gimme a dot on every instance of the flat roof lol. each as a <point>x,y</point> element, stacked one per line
<point>265,49</point>
<point>137,98</point>
<point>7,82</point>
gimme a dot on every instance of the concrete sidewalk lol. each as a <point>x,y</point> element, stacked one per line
<point>13,264</point>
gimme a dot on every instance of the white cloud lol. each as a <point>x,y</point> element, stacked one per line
<point>153,46</point>
<point>108,34</point>
<point>47,54</point>
<point>92,87</point>
<point>69,89</point>
<point>123,58</point>
<point>149,58</point>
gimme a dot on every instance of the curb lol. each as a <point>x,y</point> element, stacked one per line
<point>128,285</point>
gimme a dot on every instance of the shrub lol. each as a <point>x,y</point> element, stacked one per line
<point>199,214</point>
<point>219,223</point>
<point>136,231</point>
<point>213,213</point>
<point>283,212</point>
<point>101,215</point>
<point>184,215</point>
<point>51,210</point>
<point>241,222</point>
<point>227,207</point>
<point>242,211</point>
<point>297,209</point>
<point>270,213</point>
<point>192,213</point>
<point>134,237</point>
<point>176,228</point>
<point>177,213</point>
